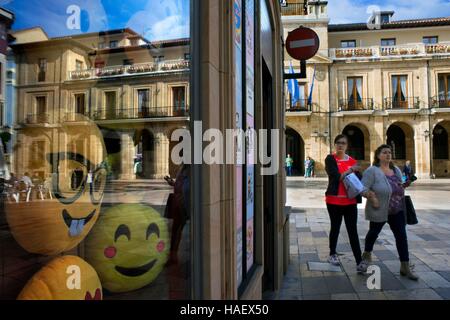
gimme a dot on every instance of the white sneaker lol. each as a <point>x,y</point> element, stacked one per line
<point>334,260</point>
<point>362,267</point>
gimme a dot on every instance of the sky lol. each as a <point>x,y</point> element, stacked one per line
<point>154,19</point>
<point>169,19</point>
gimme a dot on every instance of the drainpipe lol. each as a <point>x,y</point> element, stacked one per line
<point>430,137</point>
<point>329,110</point>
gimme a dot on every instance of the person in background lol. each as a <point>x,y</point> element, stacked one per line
<point>385,180</point>
<point>37,185</point>
<point>407,171</point>
<point>308,167</point>
<point>338,165</point>
<point>289,163</point>
<point>312,165</point>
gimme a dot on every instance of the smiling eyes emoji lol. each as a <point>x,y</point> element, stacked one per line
<point>123,230</point>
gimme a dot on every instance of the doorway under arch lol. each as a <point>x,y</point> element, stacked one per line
<point>400,136</point>
<point>441,147</point>
<point>295,146</point>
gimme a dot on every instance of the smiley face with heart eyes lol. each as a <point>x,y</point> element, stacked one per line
<point>128,247</point>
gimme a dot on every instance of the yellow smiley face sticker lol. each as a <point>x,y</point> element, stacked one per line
<point>128,247</point>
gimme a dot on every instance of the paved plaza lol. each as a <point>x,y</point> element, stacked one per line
<point>429,246</point>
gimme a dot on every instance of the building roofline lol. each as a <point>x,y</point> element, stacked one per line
<point>28,29</point>
<point>100,33</point>
<point>400,24</point>
<point>50,42</point>
<point>8,11</point>
<point>152,45</point>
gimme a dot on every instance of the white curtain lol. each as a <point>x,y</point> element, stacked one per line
<point>359,89</point>
<point>403,85</point>
<point>394,87</point>
<point>350,89</point>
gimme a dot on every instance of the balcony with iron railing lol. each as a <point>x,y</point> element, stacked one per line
<point>129,113</point>
<point>41,118</point>
<point>440,102</point>
<point>131,70</point>
<point>301,105</point>
<point>365,104</point>
<point>392,103</point>
<point>391,52</point>
<point>294,9</point>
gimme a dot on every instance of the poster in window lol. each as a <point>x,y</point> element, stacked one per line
<point>237,6</point>
<point>250,244</point>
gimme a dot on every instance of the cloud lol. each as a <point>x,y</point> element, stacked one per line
<point>168,19</point>
<point>351,11</point>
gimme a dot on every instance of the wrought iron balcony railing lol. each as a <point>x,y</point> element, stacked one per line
<point>134,113</point>
<point>294,9</point>
<point>301,105</point>
<point>142,68</point>
<point>406,103</point>
<point>40,118</point>
<point>354,104</point>
<point>440,102</point>
<point>391,52</point>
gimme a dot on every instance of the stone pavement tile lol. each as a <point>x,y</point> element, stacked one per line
<point>314,286</point>
<point>306,273</point>
<point>392,265</point>
<point>307,249</point>
<point>317,297</point>
<point>291,284</point>
<point>417,294</point>
<point>411,284</point>
<point>427,237</point>
<point>389,281</point>
<point>290,295</point>
<point>372,295</point>
<point>445,275</point>
<point>344,296</point>
<point>443,292</point>
<point>293,250</point>
<point>339,284</point>
<point>384,255</point>
<point>343,247</point>
<point>304,229</point>
<point>323,267</point>
<point>359,283</point>
<point>306,257</point>
<point>320,234</point>
<point>433,280</point>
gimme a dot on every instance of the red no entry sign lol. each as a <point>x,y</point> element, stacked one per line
<point>302,43</point>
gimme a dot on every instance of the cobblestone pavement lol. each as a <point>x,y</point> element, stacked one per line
<point>429,246</point>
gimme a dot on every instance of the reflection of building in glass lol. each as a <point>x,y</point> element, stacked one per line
<point>6,20</point>
<point>390,85</point>
<point>136,92</point>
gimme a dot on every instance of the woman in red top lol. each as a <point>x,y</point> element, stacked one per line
<point>338,165</point>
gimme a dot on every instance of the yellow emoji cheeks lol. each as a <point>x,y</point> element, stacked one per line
<point>128,247</point>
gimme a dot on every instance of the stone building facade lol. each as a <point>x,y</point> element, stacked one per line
<point>384,84</point>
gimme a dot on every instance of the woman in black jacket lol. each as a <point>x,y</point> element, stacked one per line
<point>338,165</point>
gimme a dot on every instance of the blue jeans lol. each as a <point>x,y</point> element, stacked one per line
<point>289,171</point>
<point>398,227</point>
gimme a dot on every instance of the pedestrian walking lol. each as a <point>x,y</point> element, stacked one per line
<point>384,181</point>
<point>307,167</point>
<point>338,165</point>
<point>289,163</point>
<point>408,173</point>
<point>312,164</point>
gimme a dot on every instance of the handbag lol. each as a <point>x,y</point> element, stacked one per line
<point>411,217</point>
<point>353,185</point>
